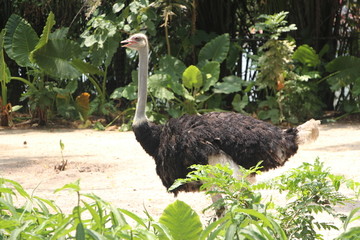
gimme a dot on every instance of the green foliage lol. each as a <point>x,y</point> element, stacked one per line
<point>192,77</point>
<point>180,212</point>
<point>64,101</point>
<point>44,56</point>
<point>4,80</point>
<point>296,96</point>
<point>269,109</point>
<point>345,70</point>
<point>6,108</point>
<point>312,189</point>
<point>307,56</point>
<point>215,50</point>
<point>354,232</point>
<point>309,189</point>
<point>102,35</point>
<point>345,73</point>
<point>274,25</point>
<point>20,40</point>
<point>181,28</point>
<point>55,61</point>
<point>275,63</point>
<point>246,216</point>
<point>230,84</point>
<point>4,70</point>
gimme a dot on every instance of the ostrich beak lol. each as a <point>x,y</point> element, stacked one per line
<point>127,42</point>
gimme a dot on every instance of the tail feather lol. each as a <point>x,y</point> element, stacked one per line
<point>308,132</point>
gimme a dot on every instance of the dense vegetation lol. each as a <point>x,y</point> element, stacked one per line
<point>309,190</point>
<point>279,60</point>
<point>282,60</point>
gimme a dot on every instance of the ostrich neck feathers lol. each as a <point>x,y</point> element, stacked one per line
<point>146,133</point>
<point>140,116</point>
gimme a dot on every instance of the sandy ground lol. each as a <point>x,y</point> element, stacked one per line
<point>113,165</point>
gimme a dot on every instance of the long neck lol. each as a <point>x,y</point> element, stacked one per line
<point>142,86</point>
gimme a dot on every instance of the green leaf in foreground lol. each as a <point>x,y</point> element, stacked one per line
<point>182,221</point>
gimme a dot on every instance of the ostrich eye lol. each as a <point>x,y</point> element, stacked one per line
<point>137,39</point>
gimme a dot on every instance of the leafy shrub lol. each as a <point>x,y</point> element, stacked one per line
<point>310,189</point>
<point>285,73</point>
<point>47,65</point>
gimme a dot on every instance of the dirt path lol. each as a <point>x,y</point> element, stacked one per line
<point>113,165</point>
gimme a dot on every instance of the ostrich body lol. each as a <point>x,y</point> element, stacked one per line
<point>211,138</point>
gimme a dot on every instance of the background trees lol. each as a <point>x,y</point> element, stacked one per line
<point>305,85</point>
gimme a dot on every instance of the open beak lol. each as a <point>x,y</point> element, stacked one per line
<point>127,43</point>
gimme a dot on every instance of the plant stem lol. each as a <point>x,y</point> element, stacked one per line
<point>27,82</point>
<point>167,40</point>
<point>103,95</point>
<point>95,83</point>
<point>3,93</point>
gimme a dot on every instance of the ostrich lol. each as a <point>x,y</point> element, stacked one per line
<point>216,137</point>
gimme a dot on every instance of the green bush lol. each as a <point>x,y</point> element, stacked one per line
<point>310,189</point>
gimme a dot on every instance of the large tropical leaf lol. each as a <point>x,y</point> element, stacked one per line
<point>59,33</point>
<point>229,85</point>
<point>158,84</point>
<point>20,39</point>
<point>181,220</point>
<point>4,70</point>
<point>345,71</point>
<point>104,54</point>
<point>239,103</point>
<point>215,50</point>
<point>175,68</point>
<point>55,58</point>
<point>307,56</point>
<point>44,38</point>
<point>343,63</point>
<point>85,67</point>
<point>211,72</point>
<point>192,77</point>
<point>172,66</point>
<point>54,55</point>
<point>128,92</point>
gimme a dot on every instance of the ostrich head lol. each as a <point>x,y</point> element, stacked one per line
<point>137,41</point>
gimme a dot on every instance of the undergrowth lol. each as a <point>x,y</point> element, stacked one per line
<point>308,190</point>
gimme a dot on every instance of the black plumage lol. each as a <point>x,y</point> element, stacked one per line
<point>191,139</point>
